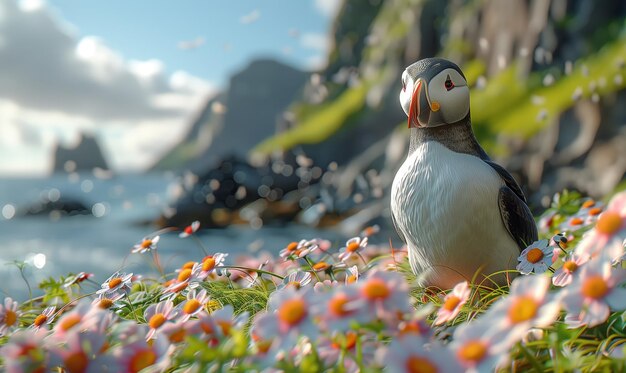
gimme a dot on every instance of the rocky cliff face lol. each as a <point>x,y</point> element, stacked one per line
<point>86,156</point>
<point>232,122</point>
<point>547,81</point>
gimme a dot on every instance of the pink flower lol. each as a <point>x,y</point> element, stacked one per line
<point>158,314</point>
<point>147,244</point>
<point>527,305</point>
<point>610,230</point>
<point>190,229</point>
<point>565,274</point>
<point>77,279</point>
<point>339,310</point>
<point>136,354</point>
<point>594,292</point>
<point>353,246</point>
<point>289,315</point>
<point>409,354</point>
<point>9,315</point>
<point>84,316</point>
<point>475,347</point>
<point>331,349</point>
<point>453,302</point>
<point>83,352</point>
<point>535,258</point>
<point>24,352</point>
<point>384,296</point>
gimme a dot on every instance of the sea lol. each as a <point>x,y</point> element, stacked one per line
<point>35,248</point>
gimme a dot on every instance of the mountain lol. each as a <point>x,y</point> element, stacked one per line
<point>547,83</point>
<point>85,156</point>
<point>234,121</point>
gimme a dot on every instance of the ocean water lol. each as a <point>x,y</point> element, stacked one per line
<point>55,246</point>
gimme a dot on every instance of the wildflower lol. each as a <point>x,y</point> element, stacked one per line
<point>410,355</point>
<point>289,315</point>
<point>24,352</point>
<point>320,266</point>
<point>527,305</point>
<point>158,314</point>
<point>147,244</point>
<point>547,221</point>
<point>339,310</point>
<point>137,355</point>
<point>9,315</point>
<point>384,295</point>
<point>44,319</point>
<point>83,352</point>
<point>190,229</point>
<point>296,280</point>
<point>289,250</point>
<point>475,348</point>
<point>77,279</point>
<point>535,258</point>
<point>107,301</point>
<point>352,275</point>
<point>117,283</point>
<point>226,320</point>
<point>586,215</point>
<point>194,304</point>
<point>299,249</point>
<point>324,286</point>
<point>370,230</point>
<point>176,332</point>
<point>594,292</point>
<point>565,274</point>
<point>82,317</point>
<point>452,303</point>
<point>331,349</point>
<point>610,229</point>
<point>208,266</point>
<point>353,246</point>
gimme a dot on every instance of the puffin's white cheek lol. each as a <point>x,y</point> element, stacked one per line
<point>404,101</point>
<point>456,105</point>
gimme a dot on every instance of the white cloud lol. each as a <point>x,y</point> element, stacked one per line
<point>329,8</point>
<point>56,84</point>
<point>191,44</point>
<point>250,17</point>
<point>318,42</point>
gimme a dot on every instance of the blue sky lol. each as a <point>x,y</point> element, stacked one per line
<point>134,73</point>
<point>226,34</point>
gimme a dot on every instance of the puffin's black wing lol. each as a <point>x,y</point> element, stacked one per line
<point>516,215</point>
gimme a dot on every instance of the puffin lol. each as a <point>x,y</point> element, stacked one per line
<point>462,216</point>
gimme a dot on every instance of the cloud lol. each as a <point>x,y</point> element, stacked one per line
<point>55,83</point>
<point>191,44</point>
<point>328,8</point>
<point>318,42</point>
<point>250,17</point>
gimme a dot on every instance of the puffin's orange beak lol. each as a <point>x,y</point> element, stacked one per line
<point>414,110</point>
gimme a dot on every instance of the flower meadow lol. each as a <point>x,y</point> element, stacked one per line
<point>319,306</point>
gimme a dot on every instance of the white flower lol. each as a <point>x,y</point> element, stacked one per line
<point>535,258</point>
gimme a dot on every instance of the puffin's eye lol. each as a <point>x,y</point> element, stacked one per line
<point>403,85</point>
<point>448,84</point>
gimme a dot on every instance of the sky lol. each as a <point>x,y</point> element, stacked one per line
<point>134,73</point>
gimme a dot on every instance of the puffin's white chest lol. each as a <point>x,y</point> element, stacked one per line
<point>446,206</point>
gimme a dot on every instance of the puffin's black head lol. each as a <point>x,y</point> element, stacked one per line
<point>434,93</point>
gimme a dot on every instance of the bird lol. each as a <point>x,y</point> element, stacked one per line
<point>462,216</point>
